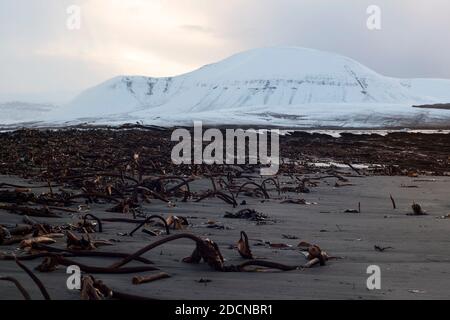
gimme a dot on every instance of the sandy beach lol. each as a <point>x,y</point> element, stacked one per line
<point>416,267</point>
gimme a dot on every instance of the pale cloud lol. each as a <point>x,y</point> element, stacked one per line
<point>133,37</point>
<point>168,37</point>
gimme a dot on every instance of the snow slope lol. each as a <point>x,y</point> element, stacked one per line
<point>282,85</point>
<point>21,112</point>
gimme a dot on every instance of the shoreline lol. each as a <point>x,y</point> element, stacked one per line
<point>413,129</point>
<point>124,176</point>
<point>414,268</point>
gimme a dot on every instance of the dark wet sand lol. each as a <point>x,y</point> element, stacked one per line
<point>419,260</point>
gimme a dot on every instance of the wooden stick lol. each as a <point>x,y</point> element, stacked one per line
<point>394,206</point>
<point>29,242</point>
<point>311,263</point>
<point>145,279</point>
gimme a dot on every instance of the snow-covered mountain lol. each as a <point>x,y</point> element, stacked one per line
<point>280,86</point>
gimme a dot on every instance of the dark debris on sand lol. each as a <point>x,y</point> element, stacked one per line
<point>122,169</point>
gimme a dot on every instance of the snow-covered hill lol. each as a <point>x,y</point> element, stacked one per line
<point>280,86</point>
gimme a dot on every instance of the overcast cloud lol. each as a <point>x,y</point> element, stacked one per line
<point>40,57</point>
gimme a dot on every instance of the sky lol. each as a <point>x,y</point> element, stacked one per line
<point>42,60</point>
